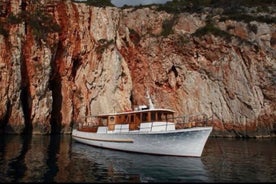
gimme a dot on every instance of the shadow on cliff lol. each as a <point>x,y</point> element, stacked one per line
<point>55,87</point>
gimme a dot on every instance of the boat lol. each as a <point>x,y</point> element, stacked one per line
<point>148,130</point>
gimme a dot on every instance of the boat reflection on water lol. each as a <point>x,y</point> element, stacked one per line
<point>48,159</point>
<point>135,167</point>
<point>59,159</point>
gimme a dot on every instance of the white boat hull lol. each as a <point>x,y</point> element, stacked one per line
<point>184,142</point>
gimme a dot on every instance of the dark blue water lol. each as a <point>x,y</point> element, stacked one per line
<point>60,159</point>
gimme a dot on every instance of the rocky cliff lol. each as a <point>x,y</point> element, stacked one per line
<point>61,61</point>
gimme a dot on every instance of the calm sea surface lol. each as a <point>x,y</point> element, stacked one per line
<point>60,159</point>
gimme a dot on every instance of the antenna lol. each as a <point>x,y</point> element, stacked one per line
<point>151,106</point>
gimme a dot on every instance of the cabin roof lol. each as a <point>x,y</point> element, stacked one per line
<point>137,111</point>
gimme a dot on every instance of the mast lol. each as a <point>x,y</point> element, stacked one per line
<point>151,106</point>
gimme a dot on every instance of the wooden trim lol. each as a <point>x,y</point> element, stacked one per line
<point>108,140</point>
<point>88,129</point>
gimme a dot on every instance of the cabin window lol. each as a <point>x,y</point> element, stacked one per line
<point>120,119</point>
<point>159,116</point>
<point>132,118</point>
<point>144,117</point>
<point>111,118</point>
<point>153,118</point>
<point>103,121</point>
<point>170,117</point>
<point>137,117</point>
<point>163,117</point>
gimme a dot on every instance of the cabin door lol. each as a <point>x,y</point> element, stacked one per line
<point>111,123</point>
<point>134,122</point>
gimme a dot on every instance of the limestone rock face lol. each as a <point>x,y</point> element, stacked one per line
<point>105,59</point>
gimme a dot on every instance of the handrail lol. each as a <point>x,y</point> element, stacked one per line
<point>189,121</point>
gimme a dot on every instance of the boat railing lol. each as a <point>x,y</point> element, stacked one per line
<point>189,121</point>
<point>90,125</point>
<point>180,122</point>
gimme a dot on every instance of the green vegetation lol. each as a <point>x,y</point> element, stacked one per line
<point>97,3</point>
<point>40,22</point>
<point>13,19</point>
<point>253,28</point>
<point>3,31</point>
<point>271,74</point>
<point>248,18</point>
<point>103,44</point>
<point>232,9</point>
<point>181,41</point>
<point>178,6</point>
<point>134,36</point>
<point>210,28</point>
<point>167,26</point>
